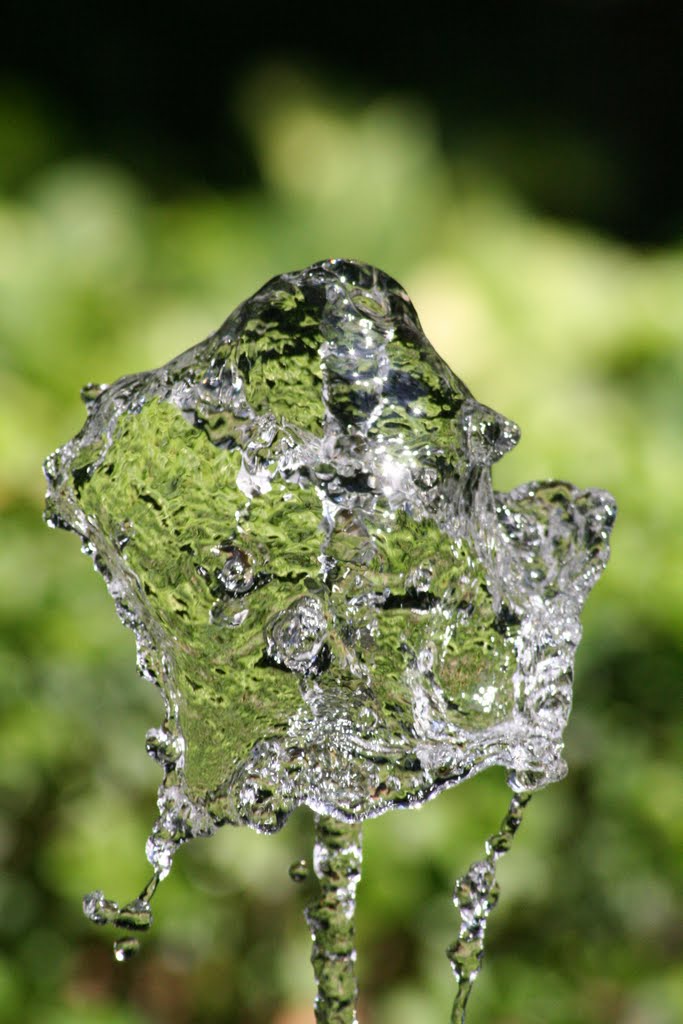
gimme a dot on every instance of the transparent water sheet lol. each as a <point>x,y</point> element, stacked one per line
<point>296,517</point>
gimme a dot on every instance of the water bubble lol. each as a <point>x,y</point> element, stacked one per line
<point>296,634</point>
<point>419,578</point>
<point>236,575</point>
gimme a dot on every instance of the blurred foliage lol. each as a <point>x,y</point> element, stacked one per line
<point>576,338</point>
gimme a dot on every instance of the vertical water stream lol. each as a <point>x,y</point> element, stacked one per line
<point>337,859</point>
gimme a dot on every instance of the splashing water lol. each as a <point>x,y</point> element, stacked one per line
<point>296,518</point>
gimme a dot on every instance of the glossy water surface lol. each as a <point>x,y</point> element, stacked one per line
<point>296,518</point>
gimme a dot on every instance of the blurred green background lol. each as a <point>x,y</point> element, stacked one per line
<point>519,173</point>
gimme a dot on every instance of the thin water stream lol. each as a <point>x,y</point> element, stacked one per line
<point>337,860</point>
<point>297,519</point>
<point>475,895</point>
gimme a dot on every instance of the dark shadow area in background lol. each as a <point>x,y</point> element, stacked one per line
<point>575,103</point>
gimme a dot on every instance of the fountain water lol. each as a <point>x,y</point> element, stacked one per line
<point>296,518</point>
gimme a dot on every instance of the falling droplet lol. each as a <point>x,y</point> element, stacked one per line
<point>299,871</point>
<point>475,895</point>
<point>126,948</point>
<point>98,909</point>
<point>135,916</point>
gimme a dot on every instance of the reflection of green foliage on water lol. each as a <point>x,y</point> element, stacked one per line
<point>170,507</point>
<point>578,340</point>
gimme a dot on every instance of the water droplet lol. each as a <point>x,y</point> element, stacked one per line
<point>98,909</point>
<point>135,916</point>
<point>125,949</point>
<point>89,392</point>
<point>299,871</point>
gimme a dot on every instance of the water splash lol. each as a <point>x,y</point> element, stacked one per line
<point>296,518</point>
<point>475,895</point>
